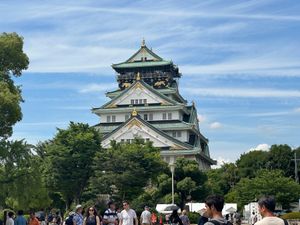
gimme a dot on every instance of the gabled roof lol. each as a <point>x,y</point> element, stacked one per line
<point>133,121</point>
<point>144,57</point>
<point>110,104</point>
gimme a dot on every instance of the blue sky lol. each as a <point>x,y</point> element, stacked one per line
<point>240,62</point>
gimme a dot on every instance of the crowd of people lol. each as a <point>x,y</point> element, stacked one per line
<point>210,215</point>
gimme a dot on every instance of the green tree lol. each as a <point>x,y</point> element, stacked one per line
<point>266,182</point>
<point>12,61</point>
<point>280,157</point>
<point>221,180</point>
<point>125,170</point>
<point>189,183</point>
<point>68,160</point>
<point>251,162</point>
<point>21,182</point>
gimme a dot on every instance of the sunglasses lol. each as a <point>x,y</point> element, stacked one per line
<point>124,204</point>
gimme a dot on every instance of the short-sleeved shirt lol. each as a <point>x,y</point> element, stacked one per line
<point>270,221</point>
<point>146,217</point>
<point>78,219</point>
<point>20,220</point>
<point>219,220</point>
<point>34,221</point>
<point>111,216</point>
<point>185,220</point>
<point>9,221</point>
<point>128,217</point>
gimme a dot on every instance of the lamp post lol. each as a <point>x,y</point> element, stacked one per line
<point>172,168</point>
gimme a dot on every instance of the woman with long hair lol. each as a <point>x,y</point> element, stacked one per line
<point>92,217</point>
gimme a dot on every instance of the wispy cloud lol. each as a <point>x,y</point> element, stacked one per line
<point>243,92</point>
<point>215,125</point>
<point>260,147</point>
<point>98,87</point>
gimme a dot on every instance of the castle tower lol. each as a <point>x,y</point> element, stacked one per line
<point>148,105</point>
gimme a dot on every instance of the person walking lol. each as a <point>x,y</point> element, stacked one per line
<point>20,220</point>
<point>128,215</point>
<point>92,217</point>
<point>266,207</point>
<point>33,220</point>
<point>184,218</point>
<point>145,218</point>
<point>110,216</point>
<point>78,218</point>
<point>214,205</point>
<point>174,218</point>
<point>10,219</point>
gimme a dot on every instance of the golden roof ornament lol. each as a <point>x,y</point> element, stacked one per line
<point>138,76</point>
<point>134,112</point>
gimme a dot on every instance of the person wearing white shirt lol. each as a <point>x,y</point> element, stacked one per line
<point>10,220</point>
<point>266,207</point>
<point>128,215</point>
<point>146,216</point>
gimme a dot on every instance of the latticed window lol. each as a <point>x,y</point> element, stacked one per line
<point>108,119</point>
<point>164,116</point>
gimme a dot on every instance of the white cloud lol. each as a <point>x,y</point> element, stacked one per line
<point>297,110</point>
<point>260,147</point>
<point>220,162</point>
<point>215,125</point>
<point>243,92</point>
<point>201,118</point>
<point>97,87</point>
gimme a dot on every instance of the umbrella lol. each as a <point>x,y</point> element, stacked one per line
<point>231,210</point>
<point>171,208</point>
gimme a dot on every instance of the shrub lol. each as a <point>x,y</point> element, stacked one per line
<point>194,217</point>
<point>291,215</point>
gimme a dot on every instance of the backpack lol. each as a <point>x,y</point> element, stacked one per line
<point>69,220</point>
<point>215,222</point>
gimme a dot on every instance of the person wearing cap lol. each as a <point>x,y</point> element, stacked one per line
<point>78,218</point>
<point>110,216</point>
<point>146,216</point>
<point>128,215</point>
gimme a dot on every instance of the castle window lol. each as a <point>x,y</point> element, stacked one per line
<point>169,116</point>
<point>150,116</point>
<point>164,116</point>
<point>108,119</point>
<point>145,101</point>
<point>132,101</point>
<point>136,101</point>
<point>145,116</point>
<point>178,133</point>
<point>140,101</point>
<point>113,118</point>
<point>174,134</point>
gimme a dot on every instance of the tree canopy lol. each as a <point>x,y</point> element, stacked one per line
<point>69,159</point>
<point>12,61</point>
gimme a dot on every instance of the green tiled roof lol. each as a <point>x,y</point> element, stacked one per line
<point>150,88</point>
<point>141,64</point>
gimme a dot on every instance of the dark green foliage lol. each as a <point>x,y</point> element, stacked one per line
<point>12,61</point>
<point>68,160</point>
<point>272,183</point>
<point>125,169</point>
<point>21,182</point>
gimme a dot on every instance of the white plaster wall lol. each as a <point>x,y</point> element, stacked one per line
<point>120,117</point>
<point>184,135</point>
<point>138,94</point>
